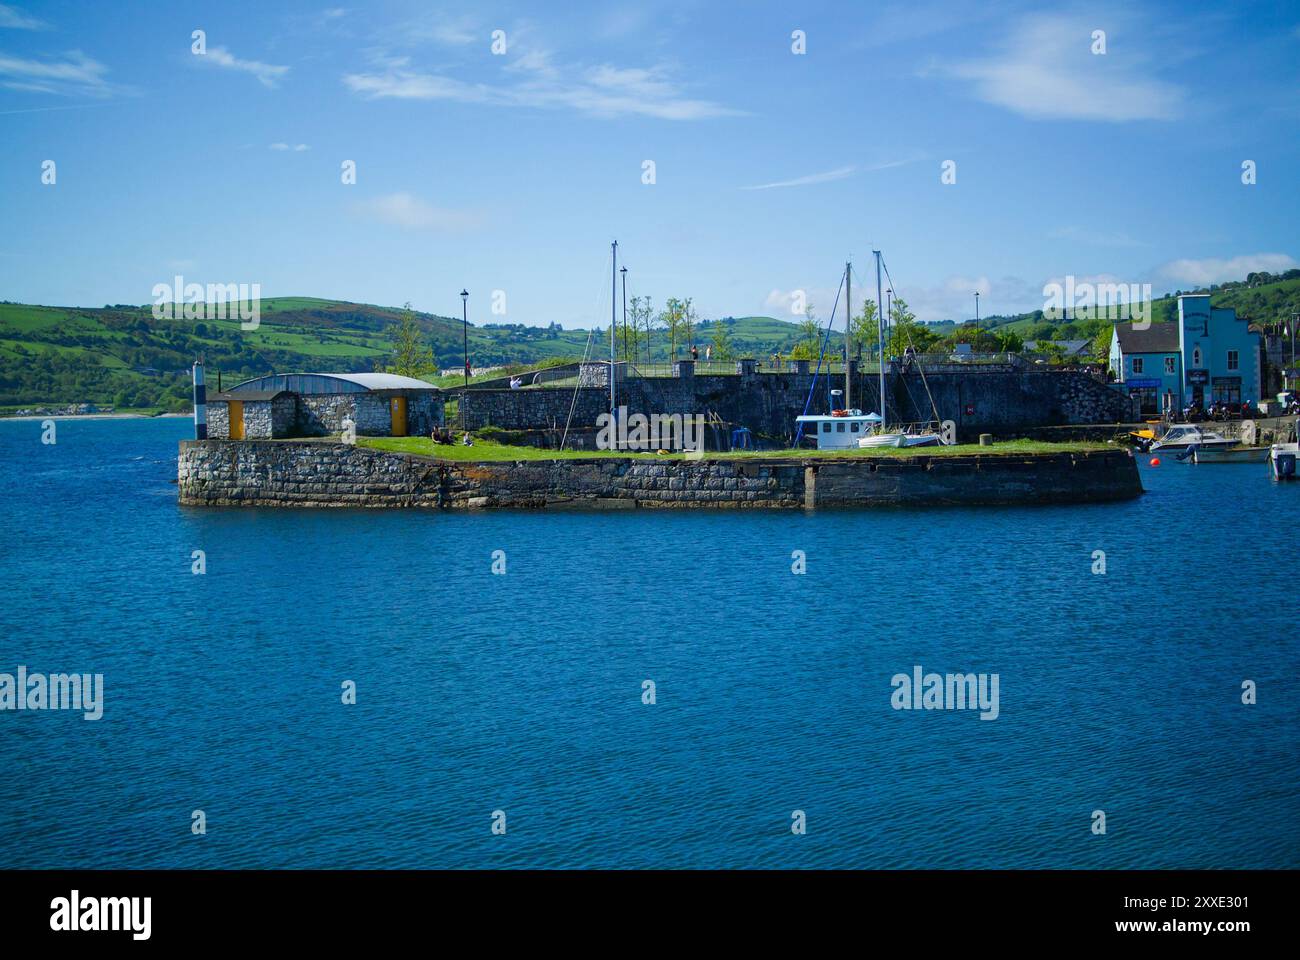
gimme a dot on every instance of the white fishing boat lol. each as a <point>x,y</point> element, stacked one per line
<point>1182,436</point>
<point>840,430</point>
<point>1282,459</point>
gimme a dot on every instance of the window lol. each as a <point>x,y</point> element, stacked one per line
<point>1196,358</point>
<point>1148,402</point>
<point>1137,364</point>
<point>854,425</point>
<point>1169,364</point>
<point>826,426</point>
<point>1227,393</point>
<point>1233,360</point>
<point>839,427</point>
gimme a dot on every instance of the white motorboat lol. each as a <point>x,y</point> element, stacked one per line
<point>926,438</point>
<point>1282,459</point>
<point>1180,437</point>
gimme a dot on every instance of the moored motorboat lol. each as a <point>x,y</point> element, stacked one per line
<point>1229,454</point>
<point>1282,459</point>
<point>1180,437</point>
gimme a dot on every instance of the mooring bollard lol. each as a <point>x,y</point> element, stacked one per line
<point>986,439</point>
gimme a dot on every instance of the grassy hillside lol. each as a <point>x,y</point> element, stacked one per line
<point>122,355</point>
<point>1268,302</point>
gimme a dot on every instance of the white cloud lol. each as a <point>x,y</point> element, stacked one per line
<point>76,74</point>
<point>404,210</point>
<point>536,81</point>
<point>838,174</point>
<point>1100,238</point>
<point>1200,273</point>
<point>1046,71</point>
<point>297,148</point>
<point>15,19</point>
<point>267,74</point>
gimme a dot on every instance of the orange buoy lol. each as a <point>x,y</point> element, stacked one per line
<point>1155,461</point>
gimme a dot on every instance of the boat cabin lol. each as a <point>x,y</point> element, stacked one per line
<point>840,430</point>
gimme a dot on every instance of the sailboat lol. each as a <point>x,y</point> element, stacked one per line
<point>884,436</point>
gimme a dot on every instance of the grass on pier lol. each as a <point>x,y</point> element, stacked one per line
<point>488,450</point>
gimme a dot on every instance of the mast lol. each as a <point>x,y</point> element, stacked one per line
<point>613,323</point>
<point>880,326</point>
<point>848,325</point>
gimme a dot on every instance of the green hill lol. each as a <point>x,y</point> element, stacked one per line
<point>122,355</point>
<point>1263,298</point>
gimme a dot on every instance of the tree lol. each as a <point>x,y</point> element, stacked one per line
<point>412,357</point>
<point>909,334</point>
<point>689,319</point>
<point>864,329</point>
<point>639,316</point>
<point>810,333</point>
<point>672,319</point>
<point>722,349</point>
<point>1101,344</point>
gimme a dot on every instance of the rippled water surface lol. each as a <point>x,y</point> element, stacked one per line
<point>522,692</point>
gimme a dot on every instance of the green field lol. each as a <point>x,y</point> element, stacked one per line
<point>486,450</point>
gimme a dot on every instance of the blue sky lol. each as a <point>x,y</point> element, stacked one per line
<point>513,172</point>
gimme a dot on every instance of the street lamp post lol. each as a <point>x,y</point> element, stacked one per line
<point>977,306</point>
<point>464,320</point>
<point>623,272</point>
<point>464,328</point>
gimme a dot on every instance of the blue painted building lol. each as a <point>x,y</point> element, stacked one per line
<point>1208,355</point>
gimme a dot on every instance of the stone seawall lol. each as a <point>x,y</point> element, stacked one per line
<point>321,474</point>
<point>1005,403</point>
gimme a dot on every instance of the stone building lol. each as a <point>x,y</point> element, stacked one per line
<point>317,404</point>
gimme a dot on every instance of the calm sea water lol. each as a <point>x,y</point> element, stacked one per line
<point>522,692</point>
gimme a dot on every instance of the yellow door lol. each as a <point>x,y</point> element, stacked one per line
<point>236,408</point>
<point>399,416</point>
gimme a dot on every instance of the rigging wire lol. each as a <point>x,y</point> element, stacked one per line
<point>600,302</point>
<point>825,340</point>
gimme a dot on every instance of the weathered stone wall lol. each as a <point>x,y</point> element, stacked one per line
<point>1004,403</point>
<point>218,419</point>
<point>284,415</point>
<point>320,415</point>
<point>307,473</point>
<point>258,420</point>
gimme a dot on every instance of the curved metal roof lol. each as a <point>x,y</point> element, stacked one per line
<point>310,383</point>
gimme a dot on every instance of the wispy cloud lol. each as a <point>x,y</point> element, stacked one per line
<point>1199,273</point>
<point>839,173</point>
<point>296,148</point>
<point>1099,238</point>
<point>535,80</point>
<point>74,75</point>
<point>267,74</point>
<point>405,210</point>
<point>14,19</point>
<point>1046,71</point>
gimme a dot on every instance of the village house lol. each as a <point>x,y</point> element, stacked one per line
<point>1207,355</point>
